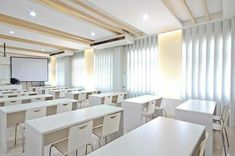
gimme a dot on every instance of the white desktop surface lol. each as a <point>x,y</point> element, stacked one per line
<point>25,97</point>
<point>108,94</point>
<point>142,99</point>
<point>27,106</point>
<point>82,91</point>
<point>201,106</point>
<point>159,137</point>
<point>60,121</point>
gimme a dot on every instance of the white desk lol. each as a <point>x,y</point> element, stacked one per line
<point>133,109</point>
<point>12,91</point>
<point>25,99</point>
<point>98,99</point>
<point>199,112</point>
<point>60,93</point>
<point>159,137</point>
<point>9,95</point>
<point>43,131</point>
<point>10,87</point>
<point>11,115</point>
<point>75,94</point>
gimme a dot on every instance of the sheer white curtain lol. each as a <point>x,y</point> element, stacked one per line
<point>78,70</point>
<point>60,71</point>
<point>63,71</point>
<point>142,66</point>
<point>103,69</point>
<point>209,63</point>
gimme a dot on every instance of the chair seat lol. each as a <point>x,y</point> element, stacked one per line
<point>62,146</point>
<point>217,127</point>
<point>22,125</point>
<point>216,118</point>
<point>145,113</point>
<point>98,131</point>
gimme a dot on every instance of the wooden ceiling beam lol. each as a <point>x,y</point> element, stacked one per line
<point>171,9</point>
<point>69,10</point>
<point>205,9</point>
<point>42,29</point>
<point>22,49</point>
<point>17,39</point>
<point>121,25</point>
<point>188,11</point>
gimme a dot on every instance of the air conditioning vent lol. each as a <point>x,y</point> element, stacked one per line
<point>113,42</point>
<point>62,53</point>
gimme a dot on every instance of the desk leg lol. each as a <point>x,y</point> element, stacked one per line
<point>34,142</point>
<point>3,131</point>
<point>132,115</point>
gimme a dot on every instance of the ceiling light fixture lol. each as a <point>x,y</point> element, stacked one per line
<point>92,34</point>
<point>32,13</point>
<point>145,17</point>
<point>43,49</point>
<point>11,32</point>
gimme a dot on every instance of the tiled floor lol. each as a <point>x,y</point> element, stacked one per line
<point>218,146</point>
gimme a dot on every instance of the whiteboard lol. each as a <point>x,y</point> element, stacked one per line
<point>29,69</point>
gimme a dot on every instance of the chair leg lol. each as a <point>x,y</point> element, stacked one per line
<point>146,119</point>
<point>23,141</point>
<point>50,150</point>
<point>16,132</point>
<point>76,152</point>
<point>106,140</point>
<point>164,110</point>
<point>99,142</point>
<point>222,135</point>
<point>226,134</point>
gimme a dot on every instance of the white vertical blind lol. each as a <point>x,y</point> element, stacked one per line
<point>60,71</point>
<point>208,65</point>
<point>78,70</point>
<point>142,66</point>
<point>103,69</point>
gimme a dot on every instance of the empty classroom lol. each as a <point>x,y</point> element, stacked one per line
<point>117,78</point>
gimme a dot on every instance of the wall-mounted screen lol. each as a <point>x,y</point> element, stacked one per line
<point>29,69</point>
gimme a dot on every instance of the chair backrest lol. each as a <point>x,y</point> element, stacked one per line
<point>67,107</point>
<point>108,99</point>
<point>203,145</point>
<point>38,99</point>
<point>16,102</point>
<point>35,113</point>
<point>151,107</point>
<point>82,96</point>
<point>111,124</point>
<point>120,98</point>
<point>79,136</point>
<point>225,115</point>
<point>159,102</point>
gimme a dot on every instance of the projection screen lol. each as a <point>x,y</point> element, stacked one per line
<point>29,69</point>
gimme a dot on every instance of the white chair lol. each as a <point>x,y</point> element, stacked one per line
<point>30,114</point>
<point>160,106</point>
<point>111,124</point>
<point>221,128</point>
<point>38,99</point>
<point>149,110</point>
<point>218,118</point>
<point>108,100</point>
<point>79,136</point>
<point>82,99</point>
<point>16,102</point>
<point>64,108</point>
<point>203,145</point>
<point>120,98</point>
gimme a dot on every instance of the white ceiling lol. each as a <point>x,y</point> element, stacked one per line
<point>130,12</point>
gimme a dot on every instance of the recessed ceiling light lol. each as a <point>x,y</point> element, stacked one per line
<point>11,32</point>
<point>145,17</point>
<point>43,49</point>
<point>32,13</point>
<point>92,34</point>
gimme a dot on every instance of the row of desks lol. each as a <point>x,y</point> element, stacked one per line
<point>11,115</point>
